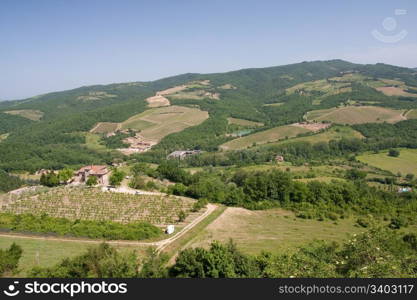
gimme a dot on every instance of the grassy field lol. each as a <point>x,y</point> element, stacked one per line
<point>334,133</point>
<point>273,230</point>
<point>243,122</point>
<point>356,115</point>
<point>270,135</point>
<point>92,141</point>
<point>92,204</point>
<point>412,114</point>
<point>165,120</point>
<point>46,253</point>
<point>405,163</point>
<point>104,127</point>
<point>31,114</point>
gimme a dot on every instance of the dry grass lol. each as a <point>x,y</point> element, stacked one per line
<point>31,114</point>
<point>273,230</point>
<point>356,115</point>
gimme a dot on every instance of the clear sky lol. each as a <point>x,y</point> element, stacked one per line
<point>61,44</point>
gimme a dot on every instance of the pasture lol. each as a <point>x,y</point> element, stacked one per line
<point>92,204</point>
<point>356,115</point>
<point>159,122</point>
<point>31,114</point>
<point>262,137</point>
<point>273,230</point>
<point>405,163</point>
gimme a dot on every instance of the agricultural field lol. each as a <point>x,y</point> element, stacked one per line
<point>243,122</point>
<point>405,163</point>
<point>46,253</point>
<point>31,114</point>
<point>324,87</point>
<point>270,135</point>
<point>165,120</point>
<point>274,230</point>
<point>92,204</point>
<point>356,115</point>
<point>333,133</point>
<point>412,114</point>
<point>104,127</point>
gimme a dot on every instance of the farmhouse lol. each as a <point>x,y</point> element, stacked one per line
<point>98,171</point>
<point>183,154</point>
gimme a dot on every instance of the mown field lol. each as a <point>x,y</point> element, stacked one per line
<point>159,122</point>
<point>31,114</point>
<point>270,135</point>
<point>405,163</point>
<point>273,230</point>
<point>92,204</point>
<point>356,115</point>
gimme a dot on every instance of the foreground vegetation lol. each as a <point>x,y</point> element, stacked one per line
<point>375,253</point>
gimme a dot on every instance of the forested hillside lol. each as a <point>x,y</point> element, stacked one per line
<point>261,95</point>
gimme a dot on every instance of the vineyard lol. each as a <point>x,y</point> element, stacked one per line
<point>75,203</point>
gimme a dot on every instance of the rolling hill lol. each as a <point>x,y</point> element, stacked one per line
<point>49,131</point>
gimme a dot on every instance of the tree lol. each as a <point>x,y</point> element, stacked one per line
<point>65,174</point>
<point>91,181</point>
<point>116,177</point>
<point>181,216</point>
<point>355,174</point>
<point>9,259</point>
<point>137,182</point>
<point>50,179</point>
<point>393,153</point>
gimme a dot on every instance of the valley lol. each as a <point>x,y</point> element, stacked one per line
<point>277,159</point>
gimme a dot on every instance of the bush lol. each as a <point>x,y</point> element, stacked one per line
<point>393,153</point>
<point>79,228</point>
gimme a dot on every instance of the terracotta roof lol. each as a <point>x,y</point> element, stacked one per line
<point>94,170</point>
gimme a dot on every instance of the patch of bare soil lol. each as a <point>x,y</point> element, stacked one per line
<point>158,101</point>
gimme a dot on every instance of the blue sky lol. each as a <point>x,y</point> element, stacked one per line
<point>61,44</point>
